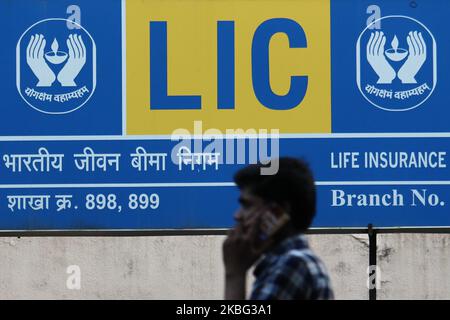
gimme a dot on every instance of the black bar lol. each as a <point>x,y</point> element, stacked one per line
<point>372,261</point>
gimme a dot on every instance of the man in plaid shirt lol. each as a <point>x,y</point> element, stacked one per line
<point>275,211</point>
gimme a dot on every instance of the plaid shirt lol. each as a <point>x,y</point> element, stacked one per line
<point>291,271</point>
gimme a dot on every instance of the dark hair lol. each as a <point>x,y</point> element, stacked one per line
<point>292,184</point>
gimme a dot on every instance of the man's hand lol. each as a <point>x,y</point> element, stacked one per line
<point>240,251</point>
<point>240,248</point>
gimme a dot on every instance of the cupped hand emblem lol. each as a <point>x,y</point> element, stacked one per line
<point>416,58</point>
<point>37,63</point>
<point>75,62</point>
<point>377,59</point>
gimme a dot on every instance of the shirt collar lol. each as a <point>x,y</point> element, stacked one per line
<point>296,242</point>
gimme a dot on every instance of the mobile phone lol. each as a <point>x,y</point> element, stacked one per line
<point>273,219</point>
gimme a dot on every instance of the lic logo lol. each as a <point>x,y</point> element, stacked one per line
<point>56,66</point>
<point>396,65</point>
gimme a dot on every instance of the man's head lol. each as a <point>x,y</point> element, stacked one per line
<point>291,188</point>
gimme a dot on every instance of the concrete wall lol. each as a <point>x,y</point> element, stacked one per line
<point>414,266</point>
<point>190,267</point>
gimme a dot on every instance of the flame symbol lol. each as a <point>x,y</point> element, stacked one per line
<point>55,46</point>
<point>394,43</point>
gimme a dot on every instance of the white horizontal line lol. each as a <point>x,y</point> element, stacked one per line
<point>208,184</point>
<point>380,183</point>
<point>231,136</point>
<point>119,185</point>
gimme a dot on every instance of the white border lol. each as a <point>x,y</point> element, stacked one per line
<point>214,184</point>
<point>234,136</point>
<point>358,63</point>
<point>124,68</point>
<point>94,65</point>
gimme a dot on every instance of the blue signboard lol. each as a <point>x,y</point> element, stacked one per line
<point>55,68</point>
<point>122,115</point>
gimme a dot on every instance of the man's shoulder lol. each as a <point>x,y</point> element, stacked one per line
<point>295,274</point>
<point>301,257</point>
<point>294,256</point>
<point>296,250</point>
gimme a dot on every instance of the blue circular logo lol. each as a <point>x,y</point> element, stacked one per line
<point>56,66</point>
<point>396,64</point>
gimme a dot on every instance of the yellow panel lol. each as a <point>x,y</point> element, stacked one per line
<point>192,65</point>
